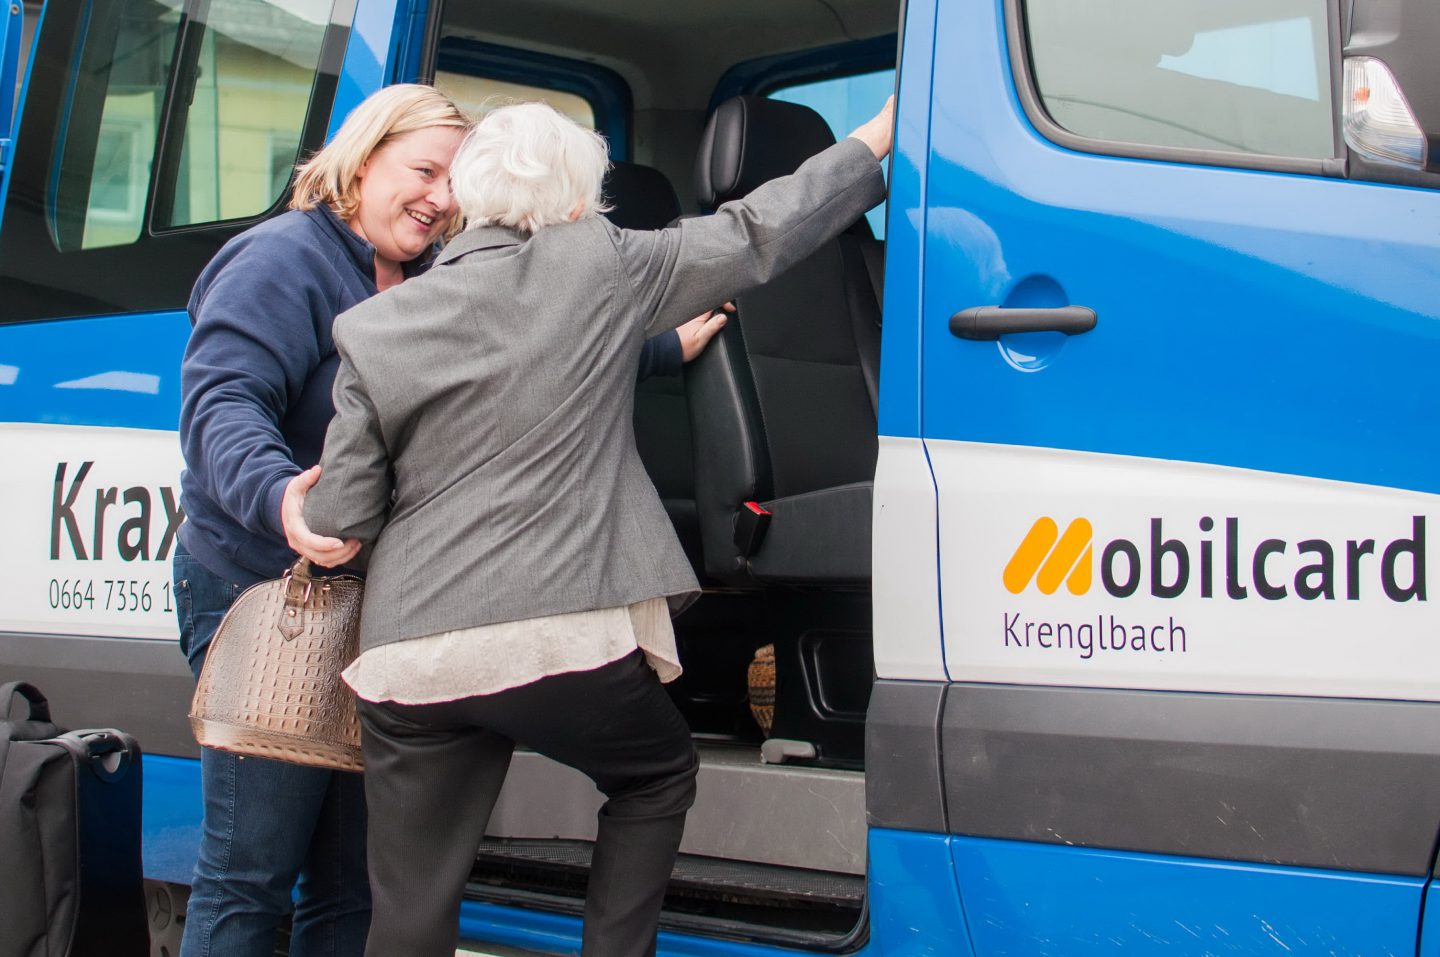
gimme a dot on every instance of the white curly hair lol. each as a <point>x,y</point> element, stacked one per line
<point>528,166</point>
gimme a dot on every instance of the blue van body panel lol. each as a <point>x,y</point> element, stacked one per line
<point>12,21</point>
<point>1430,927</point>
<point>18,113</point>
<point>171,817</point>
<point>901,346</point>
<point>1281,318</point>
<point>915,901</point>
<point>1026,898</point>
<point>483,924</point>
<point>127,374</point>
<point>369,55</point>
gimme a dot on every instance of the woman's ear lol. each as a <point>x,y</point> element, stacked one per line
<point>578,211</point>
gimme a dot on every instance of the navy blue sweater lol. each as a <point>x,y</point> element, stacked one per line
<point>256,380</point>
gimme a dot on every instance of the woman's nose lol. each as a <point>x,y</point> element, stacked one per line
<point>440,196</point>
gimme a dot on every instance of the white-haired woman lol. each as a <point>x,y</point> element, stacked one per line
<point>531,555</point>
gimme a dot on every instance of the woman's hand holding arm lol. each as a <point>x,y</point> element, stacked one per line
<point>696,334</point>
<point>320,549</point>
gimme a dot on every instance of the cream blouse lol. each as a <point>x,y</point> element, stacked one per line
<point>491,658</point>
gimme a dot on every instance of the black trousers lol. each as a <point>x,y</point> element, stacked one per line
<point>433,772</point>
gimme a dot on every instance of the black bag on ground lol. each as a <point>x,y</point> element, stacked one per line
<point>70,875</point>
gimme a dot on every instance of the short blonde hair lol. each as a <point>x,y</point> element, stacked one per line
<point>528,166</point>
<point>331,175</point>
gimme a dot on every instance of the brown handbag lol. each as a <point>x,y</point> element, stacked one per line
<point>271,685</point>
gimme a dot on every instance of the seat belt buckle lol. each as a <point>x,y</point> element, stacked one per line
<point>751,521</point>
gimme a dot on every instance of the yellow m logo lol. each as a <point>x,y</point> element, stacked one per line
<point>1057,558</point>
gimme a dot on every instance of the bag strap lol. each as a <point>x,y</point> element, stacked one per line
<point>39,705</point>
<point>36,726</point>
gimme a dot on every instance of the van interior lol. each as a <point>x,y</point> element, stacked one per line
<point>763,451</point>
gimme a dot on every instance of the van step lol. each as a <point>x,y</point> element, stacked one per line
<point>692,873</point>
<point>761,903</point>
<point>784,815</point>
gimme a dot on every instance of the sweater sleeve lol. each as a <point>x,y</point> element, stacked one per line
<point>661,355</point>
<point>252,349</point>
<point>677,272</point>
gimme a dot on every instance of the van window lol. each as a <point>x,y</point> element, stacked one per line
<point>141,115</point>
<point>845,102</point>
<point>102,167</point>
<point>253,75</point>
<point>478,94</point>
<point>1230,75</point>
<point>252,65</point>
<point>480,75</point>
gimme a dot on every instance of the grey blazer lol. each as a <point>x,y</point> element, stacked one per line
<point>482,438</point>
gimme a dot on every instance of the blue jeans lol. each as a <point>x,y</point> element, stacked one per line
<point>268,827</point>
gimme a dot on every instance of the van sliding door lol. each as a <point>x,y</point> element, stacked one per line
<point>1188,497</point>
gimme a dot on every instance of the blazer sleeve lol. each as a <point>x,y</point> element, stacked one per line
<point>678,272</point>
<point>352,498</point>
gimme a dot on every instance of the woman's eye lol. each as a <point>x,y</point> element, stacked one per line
<point>426,172</point>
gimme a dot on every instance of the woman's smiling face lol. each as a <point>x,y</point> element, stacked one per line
<point>405,201</point>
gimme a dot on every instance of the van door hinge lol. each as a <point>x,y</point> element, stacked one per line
<point>4,154</point>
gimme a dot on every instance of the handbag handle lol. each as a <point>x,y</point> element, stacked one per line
<point>299,583</point>
<point>39,705</point>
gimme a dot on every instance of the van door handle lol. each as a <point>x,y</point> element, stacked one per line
<point>992,322</point>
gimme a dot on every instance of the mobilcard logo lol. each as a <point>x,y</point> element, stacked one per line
<point>1329,570</point>
<point>1066,558</point>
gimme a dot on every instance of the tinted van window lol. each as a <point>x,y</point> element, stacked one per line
<point>1231,75</point>
<point>252,78</point>
<point>102,168</point>
<point>477,95</point>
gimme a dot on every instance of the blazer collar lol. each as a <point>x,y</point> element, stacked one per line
<point>481,237</point>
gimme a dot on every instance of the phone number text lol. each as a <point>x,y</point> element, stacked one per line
<point>110,594</point>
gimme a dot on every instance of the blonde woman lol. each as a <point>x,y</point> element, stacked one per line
<point>255,403</point>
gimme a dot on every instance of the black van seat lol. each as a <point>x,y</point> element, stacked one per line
<point>783,402</point>
<point>642,198</point>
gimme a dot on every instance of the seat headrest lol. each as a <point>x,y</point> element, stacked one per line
<point>641,197</point>
<point>751,140</point>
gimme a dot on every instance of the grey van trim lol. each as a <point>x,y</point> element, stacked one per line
<point>903,784</point>
<point>1020,68</point>
<point>141,686</point>
<point>1329,783</point>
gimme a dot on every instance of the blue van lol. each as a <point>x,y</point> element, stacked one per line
<point>1065,526</point>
